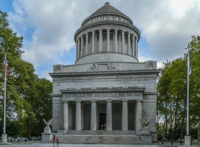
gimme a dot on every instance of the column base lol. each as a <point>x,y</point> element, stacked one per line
<point>4,138</point>
<point>188,140</point>
<point>47,137</point>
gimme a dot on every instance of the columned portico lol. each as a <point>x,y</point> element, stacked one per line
<point>94,114</point>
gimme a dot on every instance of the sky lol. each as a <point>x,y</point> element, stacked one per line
<point>48,27</point>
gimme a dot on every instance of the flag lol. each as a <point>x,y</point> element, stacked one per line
<point>188,63</point>
<point>6,65</point>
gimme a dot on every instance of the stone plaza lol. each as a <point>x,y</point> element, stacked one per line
<point>107,96</point>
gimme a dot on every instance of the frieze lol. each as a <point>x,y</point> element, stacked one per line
<point>102,94</point>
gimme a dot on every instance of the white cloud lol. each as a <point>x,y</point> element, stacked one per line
<point>166,25</point>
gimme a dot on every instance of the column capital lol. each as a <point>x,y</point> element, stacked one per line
<point>78,101</point>
<point>124,100</point>
<point>108,100</point>
<point>93,100</point>
<point>66,101</point>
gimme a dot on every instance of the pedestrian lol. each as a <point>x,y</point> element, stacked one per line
<point>57,141</point>
<point>54,140</point>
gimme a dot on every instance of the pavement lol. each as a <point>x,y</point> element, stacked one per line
<point>39,144</point>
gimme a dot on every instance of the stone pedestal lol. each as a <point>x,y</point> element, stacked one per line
<point>4,138</point>
<point>188,140</point>
<point>47,137</point>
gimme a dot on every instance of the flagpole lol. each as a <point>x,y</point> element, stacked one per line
<point>4,116</point>
<point>187,136</point>
<point>188,106</point>
<point>4,135</point>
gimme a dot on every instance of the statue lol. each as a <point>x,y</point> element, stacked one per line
<point>47,128</point>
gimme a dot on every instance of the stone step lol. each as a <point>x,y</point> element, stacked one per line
<point>99,139</point>
<point>98,132</point>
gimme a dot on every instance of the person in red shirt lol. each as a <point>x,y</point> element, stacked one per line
<point>54,139</point>
<point>57,141</point>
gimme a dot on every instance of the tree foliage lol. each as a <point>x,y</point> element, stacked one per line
<point>28,97</point>
<point>172,95</point>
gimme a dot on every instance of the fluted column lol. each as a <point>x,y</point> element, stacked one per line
<point>136,50</point>
<point>93,115</point>
<point>123,43</point>
<point>78,115</point>
<point>129,44</point>
<point>65,112</point>
<point>109,115</point>
<point>133,46</point>
<point>81,45</point>
<point>100,40</point>
<point>93,33</point>
<point>116,43</point>
<point>86,46</point>
<point>125,115</point>
<point>78,48</point>
<point>108,40</point>
<point>138,122</point>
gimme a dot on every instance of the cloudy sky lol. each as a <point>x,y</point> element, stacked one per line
<point>48,27</point>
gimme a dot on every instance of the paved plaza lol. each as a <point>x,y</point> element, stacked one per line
<point>167,144</point>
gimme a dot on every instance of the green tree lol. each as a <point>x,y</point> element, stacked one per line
<point>172,94</point>
<point>28,97</point>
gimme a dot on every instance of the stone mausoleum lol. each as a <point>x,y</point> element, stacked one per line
<point>107,96</point>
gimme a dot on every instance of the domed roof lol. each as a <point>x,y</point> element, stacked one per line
<point>107,9</point>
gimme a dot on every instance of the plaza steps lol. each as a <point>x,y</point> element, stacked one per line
<point>100,137</point>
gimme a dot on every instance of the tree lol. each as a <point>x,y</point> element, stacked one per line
<point>28,97</point>
<point>172,93</point>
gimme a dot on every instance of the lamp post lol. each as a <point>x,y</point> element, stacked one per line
<point>4,135</point>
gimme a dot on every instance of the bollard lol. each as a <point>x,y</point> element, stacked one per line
<point>162,142</point>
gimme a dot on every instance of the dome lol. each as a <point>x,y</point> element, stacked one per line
<point>107,35</point>
<point>107,9</point>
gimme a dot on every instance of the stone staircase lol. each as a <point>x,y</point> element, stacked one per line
<point>101,137</point>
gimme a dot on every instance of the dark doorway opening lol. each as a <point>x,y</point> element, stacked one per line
<point>102,121</point>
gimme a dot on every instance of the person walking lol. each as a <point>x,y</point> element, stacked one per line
<point>57,141</point>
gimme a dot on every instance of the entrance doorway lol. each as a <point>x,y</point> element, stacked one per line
<point>102,121</point>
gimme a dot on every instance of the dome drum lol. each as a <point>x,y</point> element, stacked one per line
<point>107,39</point>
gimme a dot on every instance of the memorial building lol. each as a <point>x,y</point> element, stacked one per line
<point>107,96</point>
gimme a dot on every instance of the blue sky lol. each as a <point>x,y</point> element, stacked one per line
<point>48,27</point>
